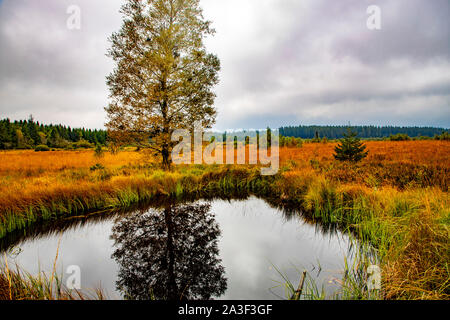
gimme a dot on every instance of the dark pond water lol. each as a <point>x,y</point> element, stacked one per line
<point>221,249</point>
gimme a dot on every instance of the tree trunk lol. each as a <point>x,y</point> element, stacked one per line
<point>165,152</point>
<point>166,161</point>
<point>172,288</point>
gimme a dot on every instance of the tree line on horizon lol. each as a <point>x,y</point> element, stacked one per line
<point>29,134</point>
<point>364,132</point>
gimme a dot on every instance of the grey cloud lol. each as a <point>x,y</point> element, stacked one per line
<point>329,57</point>
<point>50,71</point>
<point>413,29</point>
<point>283,62</point>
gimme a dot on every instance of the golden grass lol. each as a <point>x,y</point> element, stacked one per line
<point>30,163</point>
<point>400,164</point>
<point>20,285</point>
<point>397,198</point>
<point>426,152</point>
<point>29,178</point>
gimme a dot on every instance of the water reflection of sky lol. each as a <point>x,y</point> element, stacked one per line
<point>254,238</point>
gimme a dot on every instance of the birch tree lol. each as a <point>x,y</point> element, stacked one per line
<point>163,77</point>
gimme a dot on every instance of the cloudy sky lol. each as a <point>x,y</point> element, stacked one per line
<point>284,62</point>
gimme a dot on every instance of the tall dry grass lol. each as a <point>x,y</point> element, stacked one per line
<point>396,199</point>
<point>19,285</point>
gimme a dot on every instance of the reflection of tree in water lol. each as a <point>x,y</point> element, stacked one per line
<point>169,254</point>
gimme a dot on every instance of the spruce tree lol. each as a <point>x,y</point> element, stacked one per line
<point>350,148</point>
<point>54,139</point>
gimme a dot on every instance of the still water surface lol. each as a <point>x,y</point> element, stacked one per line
<point>218,249</point>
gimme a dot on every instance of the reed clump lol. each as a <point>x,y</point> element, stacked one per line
<point>420,268</point>
<point>21,285</point>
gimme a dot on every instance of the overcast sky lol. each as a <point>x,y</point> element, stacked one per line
<point>284,62</point>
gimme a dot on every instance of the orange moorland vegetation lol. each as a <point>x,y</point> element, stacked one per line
<point>399,164</point>
<point>28,176</point>
<point>397,198</point>
<point>424,152</point>
<point>27,162</point>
